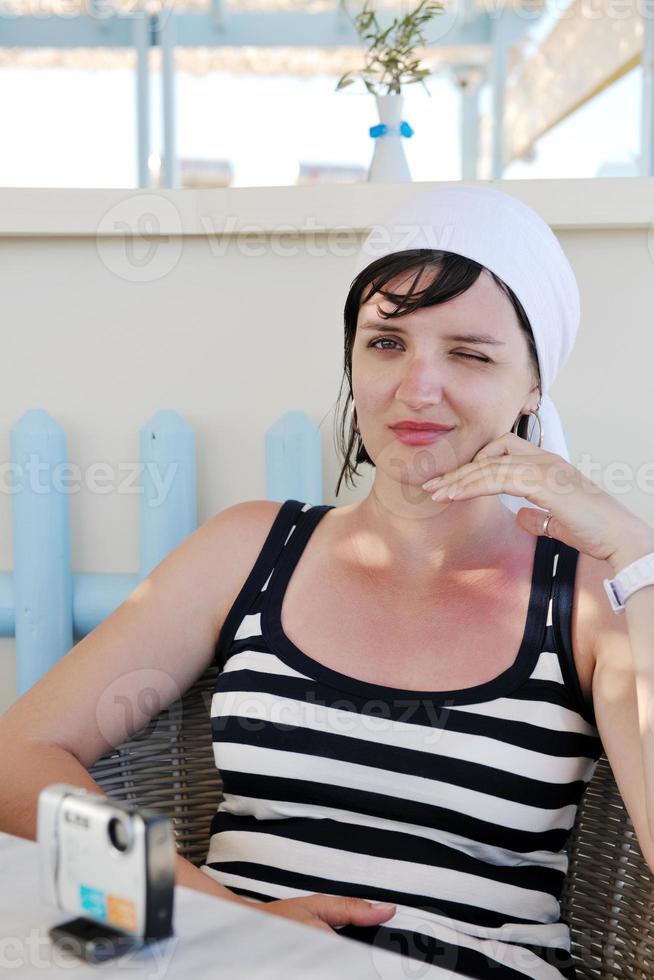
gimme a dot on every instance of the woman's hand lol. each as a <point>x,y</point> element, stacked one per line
<point>328,911</point>
<point>583,515</point>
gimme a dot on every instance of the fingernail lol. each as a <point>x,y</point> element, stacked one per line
<point>384,906</point>
<point>432,483</point>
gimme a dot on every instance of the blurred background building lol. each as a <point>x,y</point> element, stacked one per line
<point>205,93</point>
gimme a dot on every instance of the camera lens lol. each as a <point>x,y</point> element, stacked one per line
<point>119,835</point>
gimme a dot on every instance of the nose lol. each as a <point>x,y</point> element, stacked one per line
<point>421,383</point>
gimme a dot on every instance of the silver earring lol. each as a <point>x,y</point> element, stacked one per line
<point>541,432</point>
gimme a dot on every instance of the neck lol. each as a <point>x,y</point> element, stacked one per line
<point>401,534</point>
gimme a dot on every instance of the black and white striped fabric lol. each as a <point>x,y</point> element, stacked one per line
<point>454,805</point>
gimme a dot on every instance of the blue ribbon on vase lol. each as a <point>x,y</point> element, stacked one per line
<point>382,130</point>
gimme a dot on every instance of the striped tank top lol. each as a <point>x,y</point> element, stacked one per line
<point>455,806</point>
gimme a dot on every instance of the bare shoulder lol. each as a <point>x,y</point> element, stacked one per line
<point>159,639</point>
<point>592,615</point>
<point>248,518</point>
<point>235,537</point>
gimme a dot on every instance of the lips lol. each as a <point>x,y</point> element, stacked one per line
<point>418,437</point>
<point>420,427</point>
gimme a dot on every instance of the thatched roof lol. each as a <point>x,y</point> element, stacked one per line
<point>243,60</point>
<point>72,7</point>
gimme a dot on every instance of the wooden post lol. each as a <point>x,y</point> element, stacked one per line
<point>293,459</point>
<point>43,587</point>
<point>168,504</point>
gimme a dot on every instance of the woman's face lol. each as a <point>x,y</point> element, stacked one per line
<point>420,367</point>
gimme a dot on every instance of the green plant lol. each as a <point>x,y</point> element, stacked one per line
<point>390,57</point>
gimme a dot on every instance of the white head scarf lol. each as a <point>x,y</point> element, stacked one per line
<point>510,239</point>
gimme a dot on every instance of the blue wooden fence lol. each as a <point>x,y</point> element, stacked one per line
<point>43,603</point>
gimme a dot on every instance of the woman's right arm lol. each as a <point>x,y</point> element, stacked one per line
<point>136,662</point>
<point>157,642</point>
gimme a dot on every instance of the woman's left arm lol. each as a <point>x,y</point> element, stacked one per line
<point>623,692</point>
<point>587,518</point>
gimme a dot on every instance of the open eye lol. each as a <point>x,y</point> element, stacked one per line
<point>386,340</point>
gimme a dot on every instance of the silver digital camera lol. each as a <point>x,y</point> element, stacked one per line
<point>111,864</point>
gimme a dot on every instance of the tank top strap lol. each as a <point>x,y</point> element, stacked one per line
<point>284,523</point>
<point>562,601</point>
<point>290,556</point>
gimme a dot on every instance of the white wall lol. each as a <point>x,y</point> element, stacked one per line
<point>231,338</point>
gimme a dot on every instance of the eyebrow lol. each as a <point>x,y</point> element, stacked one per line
<point>466,338</point>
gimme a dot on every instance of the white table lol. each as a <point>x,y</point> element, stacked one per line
<point>213,938</point>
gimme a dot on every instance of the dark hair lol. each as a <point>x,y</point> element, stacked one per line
<point>456,275</point>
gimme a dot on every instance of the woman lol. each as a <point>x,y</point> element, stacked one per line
<point>377,732</point>
<point>417,725</point>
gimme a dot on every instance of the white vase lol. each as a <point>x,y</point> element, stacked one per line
<point>388,159</point>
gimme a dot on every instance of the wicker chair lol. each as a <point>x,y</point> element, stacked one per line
<point>608,896</point>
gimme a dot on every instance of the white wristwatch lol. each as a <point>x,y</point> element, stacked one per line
<point>629,580</point>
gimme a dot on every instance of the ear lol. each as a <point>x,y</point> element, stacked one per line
<point>533,402</point>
